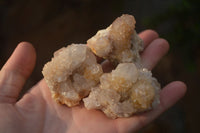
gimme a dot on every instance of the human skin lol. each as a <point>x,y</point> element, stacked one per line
<point>37,112</point>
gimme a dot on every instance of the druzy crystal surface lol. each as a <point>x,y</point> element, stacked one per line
<point>73,74</point>
<point>124,91</point>
<point>119,42</point>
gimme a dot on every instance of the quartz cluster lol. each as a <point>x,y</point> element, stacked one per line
<point>119,42</point>
<point>124,91</point>
<point>73,74</point>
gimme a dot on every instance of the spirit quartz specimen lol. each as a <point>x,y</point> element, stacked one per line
<point>124,91</point>
<point>119,42</point>
<point>73,74</point>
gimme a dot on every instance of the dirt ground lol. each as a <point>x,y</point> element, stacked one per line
<point>50,25</point>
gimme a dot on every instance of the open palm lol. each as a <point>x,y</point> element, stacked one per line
<point>37,112</point>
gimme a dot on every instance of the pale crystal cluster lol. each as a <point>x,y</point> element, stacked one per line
<point>124,91</point>
<point>73,74</point>
<point>119,42</point>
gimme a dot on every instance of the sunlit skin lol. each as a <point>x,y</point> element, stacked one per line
<point>37,112</point>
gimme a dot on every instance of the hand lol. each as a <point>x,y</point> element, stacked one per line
<point>36,111</point>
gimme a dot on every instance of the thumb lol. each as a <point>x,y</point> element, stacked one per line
<point>15,72</point>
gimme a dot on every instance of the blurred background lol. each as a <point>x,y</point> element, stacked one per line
<point>52,24</point>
